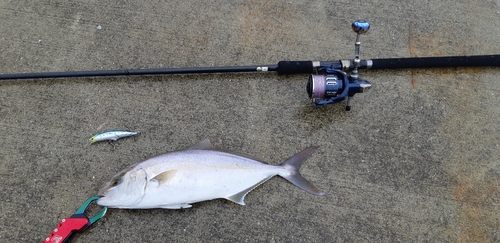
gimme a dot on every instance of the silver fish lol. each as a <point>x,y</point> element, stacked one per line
<point>199,173</point>
<point>111,135</point>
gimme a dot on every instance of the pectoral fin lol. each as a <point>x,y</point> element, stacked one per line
<point>164,177</point>
<point>239,197</point>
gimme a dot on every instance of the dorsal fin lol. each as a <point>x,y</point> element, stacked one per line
<point>203,145</point>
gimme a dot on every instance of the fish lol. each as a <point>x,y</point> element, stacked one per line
<point>201,172</point>
<point>111,135</point>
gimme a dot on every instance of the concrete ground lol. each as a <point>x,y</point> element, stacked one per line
<point>416,159</point>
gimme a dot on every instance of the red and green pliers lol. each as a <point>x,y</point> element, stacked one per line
<point>77,222</point>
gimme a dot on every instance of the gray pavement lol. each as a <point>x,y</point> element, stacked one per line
<point>415,160</point>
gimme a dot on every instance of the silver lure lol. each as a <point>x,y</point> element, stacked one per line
<point>201,172</point>
<point>111,135</point>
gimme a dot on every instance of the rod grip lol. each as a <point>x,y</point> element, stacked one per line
<point>293,67</point>
<point>434,62</point>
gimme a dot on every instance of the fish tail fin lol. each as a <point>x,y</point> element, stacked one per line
<point>293,164</point>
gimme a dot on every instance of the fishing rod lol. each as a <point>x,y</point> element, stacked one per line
<point>328,82</point>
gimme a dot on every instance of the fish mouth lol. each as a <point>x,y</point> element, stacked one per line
<point>101,193</point>
<point>101,202</point>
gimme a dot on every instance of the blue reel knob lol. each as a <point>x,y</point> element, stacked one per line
<point>360,26</point>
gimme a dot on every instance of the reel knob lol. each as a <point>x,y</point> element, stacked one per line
<point>360,26</point>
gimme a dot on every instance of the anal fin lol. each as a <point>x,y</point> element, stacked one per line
<point>239,197</point>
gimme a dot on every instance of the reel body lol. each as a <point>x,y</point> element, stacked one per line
<point>333,85</point>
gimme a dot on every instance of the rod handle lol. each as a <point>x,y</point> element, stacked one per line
<point>435,62</point>
<point>293,67</point>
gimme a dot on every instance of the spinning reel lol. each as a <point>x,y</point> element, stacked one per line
<point>333,85</point>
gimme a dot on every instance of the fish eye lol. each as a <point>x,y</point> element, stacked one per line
<point>115,182</point>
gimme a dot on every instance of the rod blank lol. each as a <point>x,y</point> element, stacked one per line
<point>129,72</point>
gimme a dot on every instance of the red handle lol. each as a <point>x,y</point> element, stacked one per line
<point>65,228</point>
